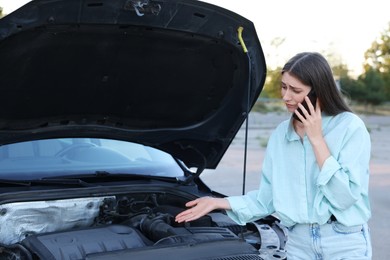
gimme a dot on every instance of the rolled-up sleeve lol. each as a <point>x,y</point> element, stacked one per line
<point>342,179</point>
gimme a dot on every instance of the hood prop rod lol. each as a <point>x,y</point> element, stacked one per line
<point>199,170</point>
<point>239,34</point>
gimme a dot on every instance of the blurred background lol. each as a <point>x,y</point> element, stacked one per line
<point>353,35</point>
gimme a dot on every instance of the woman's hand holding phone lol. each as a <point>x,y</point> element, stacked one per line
<point>313,99</point>
<point>311,119</point>
<point>310,116</point>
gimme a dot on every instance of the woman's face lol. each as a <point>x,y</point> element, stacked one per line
<point>293,91</point>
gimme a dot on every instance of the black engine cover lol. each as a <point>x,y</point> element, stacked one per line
<point>78,244</point>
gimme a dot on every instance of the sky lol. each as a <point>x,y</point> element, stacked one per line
<point>343,28</point>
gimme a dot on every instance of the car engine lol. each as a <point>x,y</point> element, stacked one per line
<point>137,226</point>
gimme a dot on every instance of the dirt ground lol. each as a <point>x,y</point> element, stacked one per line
<point>228,177</point>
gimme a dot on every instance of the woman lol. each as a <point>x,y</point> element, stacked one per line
<point>315,172</point>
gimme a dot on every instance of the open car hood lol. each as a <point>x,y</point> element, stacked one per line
<point>169,74</point>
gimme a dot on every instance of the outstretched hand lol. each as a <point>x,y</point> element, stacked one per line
<point>200,207</point>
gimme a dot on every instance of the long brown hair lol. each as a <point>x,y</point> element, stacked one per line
<point>312,69</point>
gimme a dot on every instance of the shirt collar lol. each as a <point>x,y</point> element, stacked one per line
<point>291,135</point>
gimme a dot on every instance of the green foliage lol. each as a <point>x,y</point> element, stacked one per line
<point>340,70</point>
<point>354,89</point>
<point>368,88</point>
<point>265,105</point>
<point>378,56</point>
<point>377,59</point>
<point>373,86</point>
<point>272,83</point>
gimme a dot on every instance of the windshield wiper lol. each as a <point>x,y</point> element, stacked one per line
<point>87,180</point>
<point>44,181</point>
<point>104,175</point>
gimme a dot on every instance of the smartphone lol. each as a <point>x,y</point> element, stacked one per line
<point>313,98</point>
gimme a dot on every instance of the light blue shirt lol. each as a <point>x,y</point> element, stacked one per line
<point>296,190</point>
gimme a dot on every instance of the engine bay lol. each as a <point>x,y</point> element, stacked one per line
<point>139,226</point>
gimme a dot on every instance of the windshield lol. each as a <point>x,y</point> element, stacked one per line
<point>69,156</point>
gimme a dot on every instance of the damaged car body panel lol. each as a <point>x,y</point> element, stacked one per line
<point>105,108</point>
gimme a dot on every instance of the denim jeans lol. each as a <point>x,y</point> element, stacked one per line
<point>331,241</point>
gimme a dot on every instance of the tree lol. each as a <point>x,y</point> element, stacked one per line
<point>340,71</point>
<point>375,87</point>
<point>353,89</point>
<point>367,89</point>
<point>272,83</point>
<point>377,58</point>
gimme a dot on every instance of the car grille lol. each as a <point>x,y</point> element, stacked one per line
<point>240,257</point>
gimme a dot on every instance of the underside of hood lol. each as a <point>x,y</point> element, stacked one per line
<point>169,74</point>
